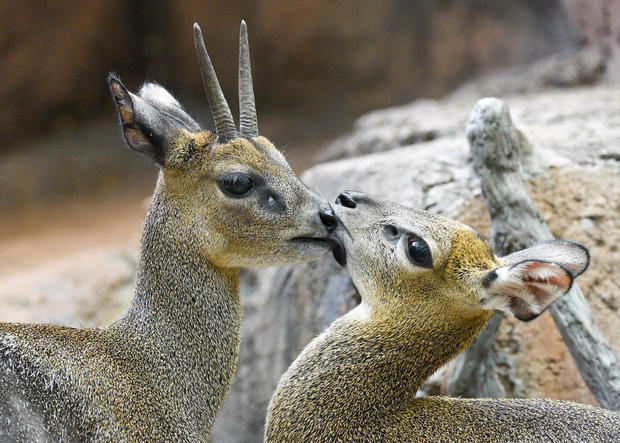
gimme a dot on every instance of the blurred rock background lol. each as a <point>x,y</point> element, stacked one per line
<point>72,197</point>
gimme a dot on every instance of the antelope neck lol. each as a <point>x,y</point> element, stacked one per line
<point>186,317</point>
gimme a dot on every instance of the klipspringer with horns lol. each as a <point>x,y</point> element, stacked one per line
<point>223,200</point>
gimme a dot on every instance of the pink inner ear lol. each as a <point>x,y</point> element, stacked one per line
<point>527,288</point>
<point>546,273</point>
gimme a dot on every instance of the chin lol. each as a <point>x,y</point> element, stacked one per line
<point>299,251</point>
<point>286,254</point>
<point>308,253</point>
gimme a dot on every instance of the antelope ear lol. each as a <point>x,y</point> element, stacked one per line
<point>534,278</point>
<point>150,119</point>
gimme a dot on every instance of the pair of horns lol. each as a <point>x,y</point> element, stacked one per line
<point>224,123</point>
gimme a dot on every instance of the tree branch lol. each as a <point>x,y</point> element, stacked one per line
<point>499,150</point>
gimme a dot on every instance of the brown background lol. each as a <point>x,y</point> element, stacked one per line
<point>313,60</point>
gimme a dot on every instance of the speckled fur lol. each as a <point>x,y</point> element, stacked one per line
<point>162,372</point>
<point>358,380</point>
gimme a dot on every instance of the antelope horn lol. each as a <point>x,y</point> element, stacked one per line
<point>248,126</point>
<point>224,123</point>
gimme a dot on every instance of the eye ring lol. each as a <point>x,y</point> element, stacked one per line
<point>419,252</point>
<point>236,184</point>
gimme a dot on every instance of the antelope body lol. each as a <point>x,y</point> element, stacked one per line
<point>428,286</point>
<point>223,200</point>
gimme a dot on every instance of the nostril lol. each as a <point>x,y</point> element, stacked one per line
<point>347,199</point>
<point>328,218</point>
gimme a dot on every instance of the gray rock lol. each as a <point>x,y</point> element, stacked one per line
<point>565,69</point>
<point>383,130</point>
<point>88,289</point>
<point>581,124</point>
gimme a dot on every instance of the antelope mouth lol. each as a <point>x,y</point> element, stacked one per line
<point>333,242</point>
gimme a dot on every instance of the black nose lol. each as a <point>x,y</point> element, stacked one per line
<point>328,218</point>
<point>349,199</point>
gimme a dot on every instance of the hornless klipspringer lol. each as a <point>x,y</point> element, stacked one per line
<point>224,199</point>
<point>428,286</point>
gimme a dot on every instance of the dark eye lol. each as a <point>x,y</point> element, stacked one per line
<point>236,185</point>
<point>419,252</point>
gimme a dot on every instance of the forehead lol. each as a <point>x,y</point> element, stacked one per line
<point>258,154</point>
<point>427,224</point>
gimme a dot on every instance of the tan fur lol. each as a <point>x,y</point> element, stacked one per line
<point>358,380</point>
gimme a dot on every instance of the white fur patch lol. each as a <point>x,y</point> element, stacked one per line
<point>360,312</point>
<point>158,96</point>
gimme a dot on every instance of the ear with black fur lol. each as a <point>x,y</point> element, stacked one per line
<point>150,119</point>
<point>534,278</point>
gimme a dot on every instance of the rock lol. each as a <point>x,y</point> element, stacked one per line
<point>580,124</point>
<point>567,69</point>
<point>88,289</point>
<point>392,128</point>
<point>414,175</point>
<point>598,24</point>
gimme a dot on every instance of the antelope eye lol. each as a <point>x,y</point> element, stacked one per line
<point>419,252</point>
<point>236,184</point>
